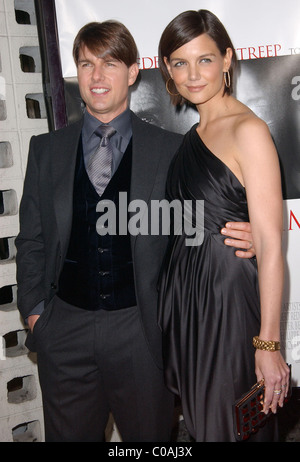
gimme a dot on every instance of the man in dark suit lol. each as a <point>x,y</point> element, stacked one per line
<point>90,299</point>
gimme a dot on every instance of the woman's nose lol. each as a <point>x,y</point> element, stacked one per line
<point>194,72</point>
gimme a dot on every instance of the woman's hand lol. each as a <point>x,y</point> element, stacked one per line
<point>270,366</point>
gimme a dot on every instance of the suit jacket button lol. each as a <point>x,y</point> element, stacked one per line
<point>53,286</point>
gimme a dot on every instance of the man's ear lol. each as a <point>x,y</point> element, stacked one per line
<point>132,74</point>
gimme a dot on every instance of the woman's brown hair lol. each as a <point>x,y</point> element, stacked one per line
<point>106,38</point>
<point>184,28</point>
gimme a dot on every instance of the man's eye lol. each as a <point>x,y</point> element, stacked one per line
<point>111,63</point>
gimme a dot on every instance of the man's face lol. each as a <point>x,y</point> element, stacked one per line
<point>103,84</point>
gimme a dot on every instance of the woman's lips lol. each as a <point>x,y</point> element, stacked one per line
<point>195,89</point>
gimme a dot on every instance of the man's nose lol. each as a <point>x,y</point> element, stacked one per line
<point>98,72</point>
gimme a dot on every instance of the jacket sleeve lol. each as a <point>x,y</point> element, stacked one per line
<point>30,256</point>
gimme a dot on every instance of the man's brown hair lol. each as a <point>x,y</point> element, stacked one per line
<point>108,38</point>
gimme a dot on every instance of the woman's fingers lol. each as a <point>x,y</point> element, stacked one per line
<point>276,392</point>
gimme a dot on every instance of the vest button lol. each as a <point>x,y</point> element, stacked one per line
<point>104,273</point>
<point>104,296</point>
<point>100,250</point>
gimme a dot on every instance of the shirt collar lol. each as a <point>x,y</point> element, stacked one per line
<point>122,124</point>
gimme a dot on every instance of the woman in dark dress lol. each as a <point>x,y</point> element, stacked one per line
<point>212,304</point>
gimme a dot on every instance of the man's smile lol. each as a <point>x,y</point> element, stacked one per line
<point>99,91</point>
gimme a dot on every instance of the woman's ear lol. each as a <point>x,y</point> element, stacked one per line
<point>227,59</point>
<point>166,61</point>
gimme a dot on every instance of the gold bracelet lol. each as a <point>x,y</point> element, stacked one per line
<point>268,345</point>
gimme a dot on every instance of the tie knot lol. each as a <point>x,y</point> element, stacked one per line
<point>105,131</point>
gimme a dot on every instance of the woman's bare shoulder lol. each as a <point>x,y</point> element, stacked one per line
<point>246,123</point>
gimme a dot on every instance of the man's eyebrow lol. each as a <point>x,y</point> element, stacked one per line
<point>108,58</point>
<point>102,56</point>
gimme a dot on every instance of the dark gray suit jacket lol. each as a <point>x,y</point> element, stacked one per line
<point>46,217</point>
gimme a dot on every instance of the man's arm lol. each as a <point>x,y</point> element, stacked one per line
<point>30,256</point>
<point>240,237</point>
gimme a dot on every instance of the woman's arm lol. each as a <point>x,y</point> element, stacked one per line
<point>258,161</point>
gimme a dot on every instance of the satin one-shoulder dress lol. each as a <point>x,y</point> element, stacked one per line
<point>209,306</point>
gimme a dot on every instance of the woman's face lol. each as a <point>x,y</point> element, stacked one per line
<point>197,69</point>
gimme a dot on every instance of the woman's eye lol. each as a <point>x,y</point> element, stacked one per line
<point>179,64</point>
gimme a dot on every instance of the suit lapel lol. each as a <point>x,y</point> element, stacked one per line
<point>65,146</point>
<point>145,162</point>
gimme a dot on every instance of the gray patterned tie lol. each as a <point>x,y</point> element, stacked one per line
<point>99,166</point>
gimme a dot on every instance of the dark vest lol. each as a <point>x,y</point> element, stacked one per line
<point>98,270</point>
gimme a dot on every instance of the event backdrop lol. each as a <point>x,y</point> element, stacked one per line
<point>266,36</point>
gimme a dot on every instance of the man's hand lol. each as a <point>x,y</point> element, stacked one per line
<point>32,320</point>
<point>239,236</point>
